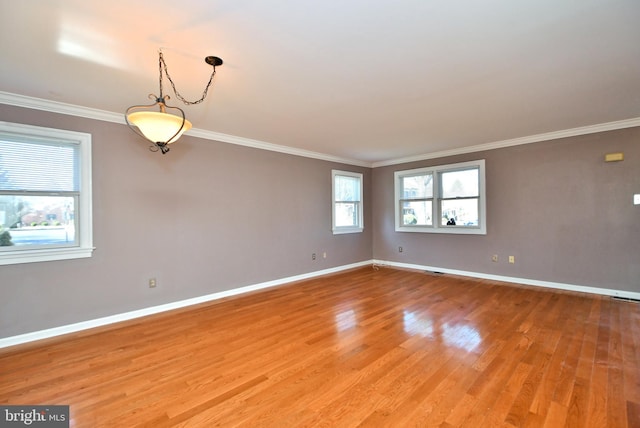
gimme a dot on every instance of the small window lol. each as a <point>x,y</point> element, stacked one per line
<point>45,194</point>
<point>441,199</point>
<point>347,202</point>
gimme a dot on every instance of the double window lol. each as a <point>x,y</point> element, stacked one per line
<point>347,202</point>
<point>441,199</point>
<point>45,194</point>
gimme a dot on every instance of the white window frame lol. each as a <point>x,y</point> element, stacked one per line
<point>83,212</point>
<point>436,227</point>
<point>346,229</point>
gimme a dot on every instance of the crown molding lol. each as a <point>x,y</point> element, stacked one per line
<point>59,107</point>
<point>583,130</point>
<point>257,144</point>
<point>107,116</point>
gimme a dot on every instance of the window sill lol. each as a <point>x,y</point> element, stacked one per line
<point>44,255</point>
<point>451,230</point>
<point>347,230</point>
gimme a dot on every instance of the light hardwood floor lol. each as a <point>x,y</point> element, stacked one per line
<point>362,348</point>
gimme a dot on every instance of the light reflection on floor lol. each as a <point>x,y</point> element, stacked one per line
<point>346,320</point>
<point>458,335</point>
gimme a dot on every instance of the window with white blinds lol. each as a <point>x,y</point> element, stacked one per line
<point>39,166</point>
<point>45,194</point>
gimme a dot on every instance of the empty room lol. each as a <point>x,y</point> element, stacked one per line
<point>320,214</point>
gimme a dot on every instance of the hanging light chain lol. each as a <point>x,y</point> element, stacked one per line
<point>163,65</point>
<point>160,62</point>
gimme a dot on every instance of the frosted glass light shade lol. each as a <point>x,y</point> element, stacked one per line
<point>159,127</point>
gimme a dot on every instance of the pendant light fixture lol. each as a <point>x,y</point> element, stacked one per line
<point>159,123</point>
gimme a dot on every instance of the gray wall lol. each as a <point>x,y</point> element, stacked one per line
<point>565,214</point>
<point>204,218</point>
<point>209,217</point>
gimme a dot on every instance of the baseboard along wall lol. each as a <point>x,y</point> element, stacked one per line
<point>113,319</point>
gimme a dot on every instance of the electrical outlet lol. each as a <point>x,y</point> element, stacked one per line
<point>324,255</point>
<point>152,283</point>
<point>494,258</point>
<point>400,249</point>
<point>313,256</point>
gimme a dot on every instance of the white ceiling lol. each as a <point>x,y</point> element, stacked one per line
<point>368,80</point>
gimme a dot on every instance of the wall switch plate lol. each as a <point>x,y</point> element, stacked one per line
<point>636,199</point>
<point>494,258</point>
<point>512,259</point>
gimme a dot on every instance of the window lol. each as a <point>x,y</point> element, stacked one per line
<point>45,194</point>
<point>347,202</point>
<point>441,199</point>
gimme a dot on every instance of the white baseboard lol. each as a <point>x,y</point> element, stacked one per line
<point>99,322</point>
<point>112,319</point>
<point>523,281</point>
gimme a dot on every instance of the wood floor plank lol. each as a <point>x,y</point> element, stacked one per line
<point>541,402</point>
<point>367,347</point>
<point>519,411</point>
<point>556,416</point>
<point>633,414</point>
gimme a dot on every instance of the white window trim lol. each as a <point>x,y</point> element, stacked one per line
<point>85,213</point>
<point>346,229</point>
<point>481,229</point>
